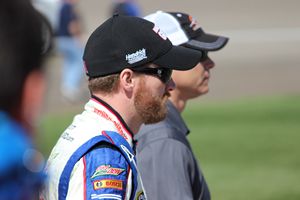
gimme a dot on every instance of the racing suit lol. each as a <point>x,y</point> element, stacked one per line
<point>93,158</point>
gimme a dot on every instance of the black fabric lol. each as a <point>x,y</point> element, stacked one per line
<point>127,42</point>
<point>103,144</point>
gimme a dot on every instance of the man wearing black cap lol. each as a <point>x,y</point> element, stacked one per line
<point>129,63</point>
<point>167,164</point>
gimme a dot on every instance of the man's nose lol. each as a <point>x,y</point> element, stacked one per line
<point>208,64</point>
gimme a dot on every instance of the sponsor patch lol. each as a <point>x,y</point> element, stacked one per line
<point>67,136</point>
<point>193,22</point>
<point>157,30</point>
<point>140,196</point>
<point>136,56</point>
<point>107,170</point>
<point>108,183</point>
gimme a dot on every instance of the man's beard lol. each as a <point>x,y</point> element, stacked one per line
<point>152,109</point>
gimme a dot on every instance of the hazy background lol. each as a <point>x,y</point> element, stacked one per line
<point>261,58</point>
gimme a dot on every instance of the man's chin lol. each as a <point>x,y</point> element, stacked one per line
<point>160,115</point>
<point>165,99</point>
<point>155,120</point>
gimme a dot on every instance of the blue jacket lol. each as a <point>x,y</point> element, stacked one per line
<point>19,178</point>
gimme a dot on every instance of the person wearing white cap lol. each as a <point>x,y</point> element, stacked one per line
<point>166,161</point>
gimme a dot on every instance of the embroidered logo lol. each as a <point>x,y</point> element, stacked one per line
<point>157,30</point>
<point>67,136</point>
<point>137,56</point>
<point>193,22</point>
<point>108,183</point>
<point>107,170</point>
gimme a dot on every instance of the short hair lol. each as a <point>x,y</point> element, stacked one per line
<point>107,84</point>
<point>25,37</point>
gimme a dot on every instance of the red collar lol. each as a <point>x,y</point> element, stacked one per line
<point>120,124</point>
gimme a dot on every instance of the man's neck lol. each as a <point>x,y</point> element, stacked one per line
<point>125,109</point>
<point>177,100</point>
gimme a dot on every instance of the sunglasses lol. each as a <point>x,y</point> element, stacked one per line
<point>164,74</point>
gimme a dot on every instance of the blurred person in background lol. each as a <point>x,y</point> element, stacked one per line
<point>50,9</point>
<point>129,63</point>
<point>166,161</point>
<point>25,39</point>
<point>70,45</point>
<point>126,7</point>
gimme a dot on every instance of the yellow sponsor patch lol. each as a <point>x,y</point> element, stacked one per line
<point>108,183</point>
<point>140,195</point>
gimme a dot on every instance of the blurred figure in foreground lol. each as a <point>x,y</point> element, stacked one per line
<point>163,151</point>
<point>70,45</point>
<point>126,7</point>
<point>25,39</point>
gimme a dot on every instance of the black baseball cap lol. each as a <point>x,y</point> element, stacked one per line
<point>181,29</point>
<point>128,42</point>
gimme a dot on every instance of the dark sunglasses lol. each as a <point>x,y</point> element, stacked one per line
<point>164,74</point>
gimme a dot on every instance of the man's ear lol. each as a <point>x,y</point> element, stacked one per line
<point>127,80</point>
<point>32,97</point>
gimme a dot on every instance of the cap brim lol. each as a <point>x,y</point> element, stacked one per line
<point>207,42</point>
<point>179,58</point>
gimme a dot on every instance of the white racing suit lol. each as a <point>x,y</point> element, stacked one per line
<point>94,159</point>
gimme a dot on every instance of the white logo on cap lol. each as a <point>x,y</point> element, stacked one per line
<point>137,56</point>
<point>157,30</point>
